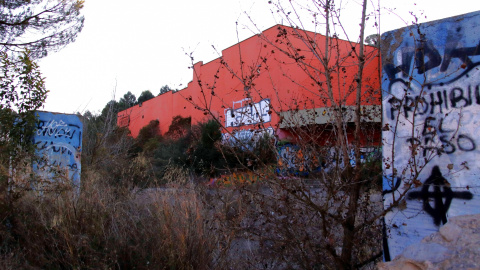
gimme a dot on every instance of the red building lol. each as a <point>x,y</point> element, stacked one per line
<point>269,81</point>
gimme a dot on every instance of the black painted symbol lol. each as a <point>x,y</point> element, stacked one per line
<point>441,191</point>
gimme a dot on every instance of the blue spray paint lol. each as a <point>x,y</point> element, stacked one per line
<point>431,102</point>
<point>58,141</point>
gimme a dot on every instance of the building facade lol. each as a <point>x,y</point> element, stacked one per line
<point>272,82</point>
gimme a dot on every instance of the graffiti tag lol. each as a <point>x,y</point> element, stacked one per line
<point>441,191</point>
<point>253,113</point>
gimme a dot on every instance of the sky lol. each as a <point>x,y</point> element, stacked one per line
<point>144,44</point>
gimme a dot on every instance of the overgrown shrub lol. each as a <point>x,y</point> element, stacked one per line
<point>254,153</point>
<point>100,229</point>
<point>179,127</point>
<point>206,158</point>
<point>195,150</point>
<point>172,152</point>
<point>109,151</point>
<point>148,138</point>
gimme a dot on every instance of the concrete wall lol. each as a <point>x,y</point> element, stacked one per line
<point>59,144</point>
<point>431,124</point>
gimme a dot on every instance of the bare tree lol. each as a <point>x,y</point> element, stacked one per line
<point>332,219</point>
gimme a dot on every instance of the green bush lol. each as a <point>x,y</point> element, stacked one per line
<point>199,150</point>
<point>148,138</point>
<point>196,150</point>
<point>172,152</point>
<point>207,158</point>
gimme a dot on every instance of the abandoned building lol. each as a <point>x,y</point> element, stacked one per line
<point>271,82</point>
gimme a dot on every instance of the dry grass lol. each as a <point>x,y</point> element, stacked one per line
<point>104,228</point>
<point>272,224</point>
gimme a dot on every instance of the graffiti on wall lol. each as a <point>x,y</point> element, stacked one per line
<point>292,159</point>
<point>297,161</point>
<point>58,141</point>
<point>247,137</point>
<point>431,107</point>
<point>248,113</point>
<point>436,189</point>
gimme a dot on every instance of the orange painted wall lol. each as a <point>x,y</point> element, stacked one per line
<point>270,73</point>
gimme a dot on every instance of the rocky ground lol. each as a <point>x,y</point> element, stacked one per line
<point>455,246</point>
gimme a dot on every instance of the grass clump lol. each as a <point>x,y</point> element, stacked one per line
<point>102,228</point>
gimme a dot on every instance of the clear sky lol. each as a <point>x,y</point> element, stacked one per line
<point>142,45</point>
